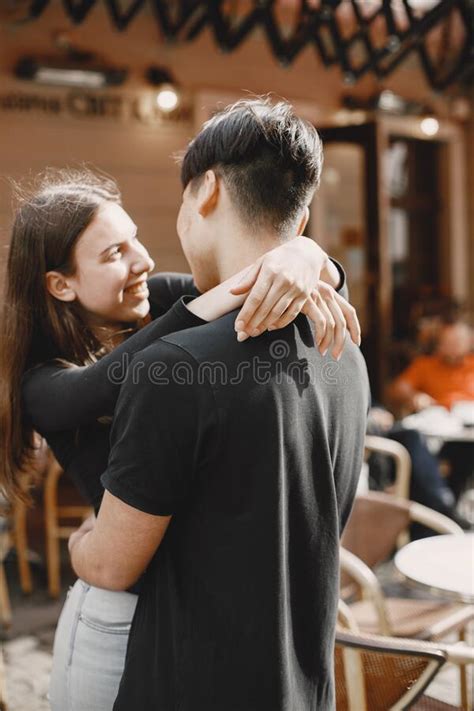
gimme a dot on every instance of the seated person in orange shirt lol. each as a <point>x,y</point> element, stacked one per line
<point>444,378</point>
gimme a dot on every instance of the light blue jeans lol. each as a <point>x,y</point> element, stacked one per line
<point>89,648</point>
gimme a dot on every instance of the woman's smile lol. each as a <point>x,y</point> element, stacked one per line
<point>138,290</point>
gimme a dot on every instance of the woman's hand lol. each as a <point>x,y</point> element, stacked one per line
<point>279,284</point>
<point>274,290</point>
<point>332,316</point>
<point>282,285</point>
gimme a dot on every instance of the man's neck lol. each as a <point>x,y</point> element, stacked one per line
<point>240,249</point>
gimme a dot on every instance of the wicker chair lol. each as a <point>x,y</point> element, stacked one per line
<point>370,537</point>
<point>3,685</point>
<point>375,673</point>
<point>55,530</point>
<point>401,459</point>
<point>13,534</point>
<point>5,607</point>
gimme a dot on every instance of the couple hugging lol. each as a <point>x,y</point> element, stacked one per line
<point>208,580</point>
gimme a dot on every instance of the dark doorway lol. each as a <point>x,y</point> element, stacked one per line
<point>412,178</point>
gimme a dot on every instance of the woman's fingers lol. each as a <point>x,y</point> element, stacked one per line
<point>292,310</point>
<point>337,322</point>
<point>253,301</point>
<point>350,314</point>
<point>276,314</point>
<point>339,328</point>
<point>330,325</point>
<point>314,313</point>
<point>270,287</point>
<point>248,280</point>
<point>277,300</point>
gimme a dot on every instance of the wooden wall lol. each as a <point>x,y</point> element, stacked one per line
<point>138,154</point>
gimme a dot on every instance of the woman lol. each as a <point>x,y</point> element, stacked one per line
<point>77,302</point>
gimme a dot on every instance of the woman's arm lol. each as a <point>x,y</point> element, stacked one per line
<point>167,287</point>
<point>283,282</point>
<point>59,398</point>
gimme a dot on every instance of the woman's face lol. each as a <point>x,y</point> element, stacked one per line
<point>112,267</point>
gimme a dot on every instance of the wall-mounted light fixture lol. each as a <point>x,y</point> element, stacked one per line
<point>168,97</point>
<point>63,73</point>
<point>429,126</point>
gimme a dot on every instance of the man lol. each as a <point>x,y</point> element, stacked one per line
<point>233,465</point>
<point>444,378</point>
<point>427,484</point>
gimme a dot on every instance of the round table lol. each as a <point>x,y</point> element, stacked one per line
<point>444,564</point>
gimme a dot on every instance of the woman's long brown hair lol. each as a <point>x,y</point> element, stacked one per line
<point>36,327</point>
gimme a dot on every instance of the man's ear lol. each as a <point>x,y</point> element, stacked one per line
<point>208,195</point>
<point>59,287</point>
<point>303,222</point>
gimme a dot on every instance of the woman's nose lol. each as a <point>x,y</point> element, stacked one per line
<point>142,262</point>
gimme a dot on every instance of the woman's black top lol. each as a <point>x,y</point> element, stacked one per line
<point>71,407</point>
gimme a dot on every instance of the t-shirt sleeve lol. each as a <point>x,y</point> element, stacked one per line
<point>342,288</point>
<point>59,398</point>
<point>165,424</point>
<point>166,288</point>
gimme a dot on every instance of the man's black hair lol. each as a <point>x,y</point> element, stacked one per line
<point>269,158</point>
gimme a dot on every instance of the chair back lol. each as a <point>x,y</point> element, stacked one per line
<point>401,459</point>
<point>375,524</point>
<point>378,674</point>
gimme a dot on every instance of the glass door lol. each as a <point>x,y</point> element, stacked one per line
<point>345,218</point>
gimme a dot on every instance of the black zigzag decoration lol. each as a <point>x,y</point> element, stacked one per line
<point>173,16</point>
<point>323,27</point>
<point>37,7</point>
<point>120,18</point>
<point>78,11</point>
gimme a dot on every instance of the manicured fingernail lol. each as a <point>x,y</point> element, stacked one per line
<point>242,336</point>
<point>239,325</point>
<point>324,352</point>
<point>271,328</point>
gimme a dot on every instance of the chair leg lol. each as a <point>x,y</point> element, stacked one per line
<point>3,684</point>
<point>464,681</point>
<point>53,558</point>
<point>21,545</point>
<point>5,607</point>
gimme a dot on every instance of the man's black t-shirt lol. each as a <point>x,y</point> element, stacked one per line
<point>255,448</point>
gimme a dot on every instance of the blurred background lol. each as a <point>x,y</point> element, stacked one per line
<point>123,85</point>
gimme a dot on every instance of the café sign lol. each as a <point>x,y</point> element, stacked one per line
<point>140,108</point>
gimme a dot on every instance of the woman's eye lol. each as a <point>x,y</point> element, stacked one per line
<point>115,251</point>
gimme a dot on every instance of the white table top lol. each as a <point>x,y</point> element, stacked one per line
<point>439,423</point>
<point>442,563</point>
